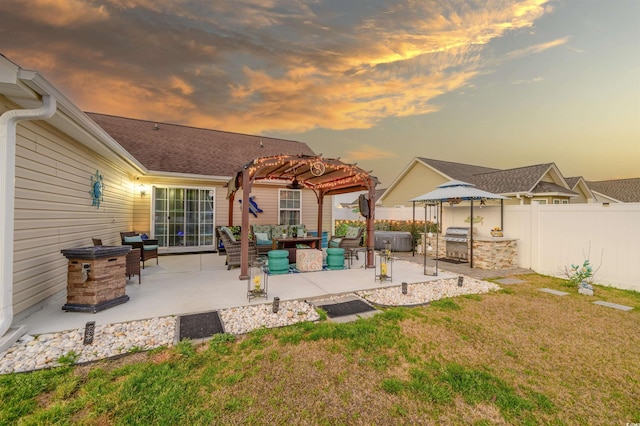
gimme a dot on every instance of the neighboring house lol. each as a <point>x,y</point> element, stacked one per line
<point>165,180</point>
<point>616,191</point>
<point>541,183</point>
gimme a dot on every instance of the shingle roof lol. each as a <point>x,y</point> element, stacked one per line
<point>625,190</point>
<point>572,181</point>
<point>521,179</point>
<point>457,171</point>
<point>163,147</point>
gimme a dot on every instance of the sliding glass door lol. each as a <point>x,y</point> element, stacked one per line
<point>184,218</point>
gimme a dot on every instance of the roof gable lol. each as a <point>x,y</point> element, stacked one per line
<point>172,148</point>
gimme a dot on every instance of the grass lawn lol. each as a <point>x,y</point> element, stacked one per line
<point>517,356</point>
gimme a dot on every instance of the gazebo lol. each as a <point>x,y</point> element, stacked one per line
<point>455,191</point>
<point>324,176</point>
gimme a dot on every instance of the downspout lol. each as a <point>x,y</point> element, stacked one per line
<point>8,127</point>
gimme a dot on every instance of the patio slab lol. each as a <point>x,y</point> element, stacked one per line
<point>510,281</point>
<point>194,283</point>
<point>552,291</point>
<point>613,305</point>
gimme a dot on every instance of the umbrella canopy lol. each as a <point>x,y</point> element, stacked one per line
<point>456,189</point>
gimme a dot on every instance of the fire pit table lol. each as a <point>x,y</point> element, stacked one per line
<point>96,278</point>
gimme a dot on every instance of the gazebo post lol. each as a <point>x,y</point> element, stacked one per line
<point>471,238</point>
<point>371,226</point>
<point>244,243</point>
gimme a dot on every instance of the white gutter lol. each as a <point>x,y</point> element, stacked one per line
<point>8,125</point>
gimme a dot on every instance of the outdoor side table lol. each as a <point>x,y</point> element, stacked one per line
<point>133,264</point>
<point>96,278</point>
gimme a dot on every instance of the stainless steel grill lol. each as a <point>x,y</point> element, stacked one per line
<point>457,238</point>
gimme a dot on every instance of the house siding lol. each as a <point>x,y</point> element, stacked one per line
<point>53,208</point>
<point>266,196</point>
<point>418,180</point>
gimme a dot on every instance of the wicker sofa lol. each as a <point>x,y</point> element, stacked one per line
<point>263,235</point>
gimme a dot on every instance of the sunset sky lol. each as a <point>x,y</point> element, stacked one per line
<point>497,83</point>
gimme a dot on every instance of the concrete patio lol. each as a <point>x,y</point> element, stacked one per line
<point>192,283</point>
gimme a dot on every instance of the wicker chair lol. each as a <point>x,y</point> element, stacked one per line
<point>148,248</point>
<point>349,244</point>
<point>233,248</point>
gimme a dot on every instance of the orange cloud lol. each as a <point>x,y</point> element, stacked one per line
<point>368,152</point>
<point>57,13</point>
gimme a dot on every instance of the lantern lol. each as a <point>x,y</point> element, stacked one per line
<point>258,280</point>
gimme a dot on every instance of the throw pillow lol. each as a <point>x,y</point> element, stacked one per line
<point>136,239</point>
<point>351,232</point>
<point>262,236</point>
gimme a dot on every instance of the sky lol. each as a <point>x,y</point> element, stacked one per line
<point>496,83</point>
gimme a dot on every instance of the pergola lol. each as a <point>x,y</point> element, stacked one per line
<point>324,176</point>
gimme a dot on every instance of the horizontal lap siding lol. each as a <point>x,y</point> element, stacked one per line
<point>266,196</point>
<point>53,209</point>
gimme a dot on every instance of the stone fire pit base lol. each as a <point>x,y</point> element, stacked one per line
<point>96,278</point>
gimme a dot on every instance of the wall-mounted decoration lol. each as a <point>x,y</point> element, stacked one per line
<point>97,189</point>
<point>477,219</point>
<point>253,207</point>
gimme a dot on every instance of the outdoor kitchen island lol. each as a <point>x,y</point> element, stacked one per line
<point>495,252</point>
<point>488,252</point>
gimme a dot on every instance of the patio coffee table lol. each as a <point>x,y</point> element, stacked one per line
<point>290,244</point>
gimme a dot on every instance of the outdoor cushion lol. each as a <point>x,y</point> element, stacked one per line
<point>351,232</point>
<point>228,232</point>
<point>136,239</point>
<point>276,230</point>
<point>262,236</point>
<point>148,247</point>
<point>335,242</point>
<point>264,229</point>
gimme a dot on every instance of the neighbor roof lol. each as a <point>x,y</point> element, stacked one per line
<point>625,190</point>
<point>173,148</point>
<point>510,181</point>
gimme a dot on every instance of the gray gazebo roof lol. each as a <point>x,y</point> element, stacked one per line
<point>457,190</point>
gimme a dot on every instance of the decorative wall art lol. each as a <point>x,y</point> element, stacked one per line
<point>253,207</point>
<point>97,189</point>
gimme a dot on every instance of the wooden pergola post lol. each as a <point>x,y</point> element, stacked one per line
<point>244,243</point>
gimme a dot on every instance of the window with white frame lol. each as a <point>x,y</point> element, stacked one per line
<point>290,206</point>
<point>560,201</point>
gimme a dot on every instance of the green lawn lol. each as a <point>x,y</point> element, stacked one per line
<point>517,356</point>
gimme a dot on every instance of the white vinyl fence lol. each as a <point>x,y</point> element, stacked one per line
<point>552,237</point>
